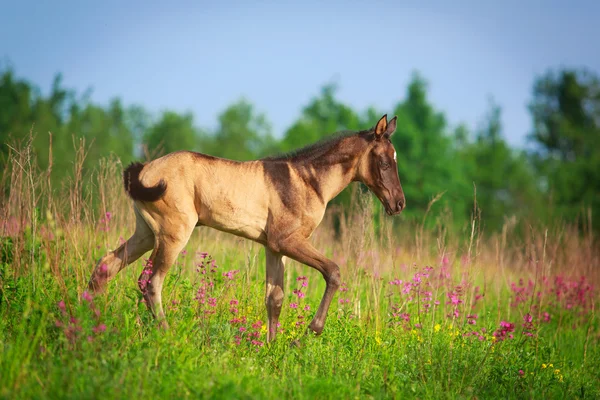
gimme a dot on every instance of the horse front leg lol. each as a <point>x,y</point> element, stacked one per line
<point>302,251</point>
<point>274,290</point>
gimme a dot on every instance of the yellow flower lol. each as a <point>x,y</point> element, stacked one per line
<point>263,328</point>
<point>556,371</point>
<point>378,338</point>
<point>550,365</point>
<point>493,338</point>
<point>544,366</point>
<point>560,378</point>
<point>437,327</point>
<point>428,362</point>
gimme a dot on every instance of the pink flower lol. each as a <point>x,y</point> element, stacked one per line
<point>87,296</point>
<point>257,325</point>
<point>527,318</point>
<point>521,372</point>
<point>546,317</point>
<point>233,302</point>
<point>242,329</point>
<point>307,308</point>
<point>100,328</point>
<point>231,274</point>
<point>293,305</point>
<point>61,306</point>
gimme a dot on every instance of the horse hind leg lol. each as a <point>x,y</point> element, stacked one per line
<point>137,245</point>
<point>170,240</point>
<point>274,290</point>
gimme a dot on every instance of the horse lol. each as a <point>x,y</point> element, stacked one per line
<point>276,201</point>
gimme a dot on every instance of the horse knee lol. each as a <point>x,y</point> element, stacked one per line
<point>275,298</point>
<point>333,277</point>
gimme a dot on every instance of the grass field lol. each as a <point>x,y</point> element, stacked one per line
<point>421,314</point>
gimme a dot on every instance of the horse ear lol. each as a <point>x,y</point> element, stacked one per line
<point>391,127</point>
<point>381,126</point>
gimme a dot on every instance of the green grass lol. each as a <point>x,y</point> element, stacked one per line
<point>110,347</point>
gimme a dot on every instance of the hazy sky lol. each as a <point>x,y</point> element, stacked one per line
<point>201,56</point>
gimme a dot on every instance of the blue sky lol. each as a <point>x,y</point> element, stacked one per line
<point>201,56</point>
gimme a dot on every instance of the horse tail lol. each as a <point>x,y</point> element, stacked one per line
<point>135,189</point>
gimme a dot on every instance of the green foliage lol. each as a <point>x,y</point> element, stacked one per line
<point>560,177</point>
<point>60,343</point>
<point>566,116</point>
<point>427,160</point>
<point>171,133</point>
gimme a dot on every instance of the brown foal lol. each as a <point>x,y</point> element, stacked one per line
<point>275,201</point>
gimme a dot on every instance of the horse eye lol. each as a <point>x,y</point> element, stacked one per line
<point>384,165</point>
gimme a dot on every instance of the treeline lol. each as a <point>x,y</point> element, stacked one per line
<point>557,181</point>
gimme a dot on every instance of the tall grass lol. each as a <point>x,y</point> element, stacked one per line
<point>422,312</point>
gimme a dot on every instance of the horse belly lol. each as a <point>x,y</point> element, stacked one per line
<point>238,219</point>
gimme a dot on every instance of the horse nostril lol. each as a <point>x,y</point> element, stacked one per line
<point>400,205</point>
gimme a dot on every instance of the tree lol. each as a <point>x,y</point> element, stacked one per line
<point>242,133</point>
<point>171,133</point>
<point>428,163</point>
<point>566,117</point>
<point>503,178</point>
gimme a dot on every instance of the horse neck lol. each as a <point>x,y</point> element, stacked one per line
<point>336,169</point>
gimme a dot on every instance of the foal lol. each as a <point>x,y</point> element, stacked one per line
<point>277,202</point>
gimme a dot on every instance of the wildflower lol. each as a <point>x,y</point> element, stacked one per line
<point>203,254</point>
<point>61,306</point>
<point>437,327</point>
<point>87,296</point>
<point>100,328</point>
<point>257,325</point>
<point>546,317</point>
<point>293,305</point>
<point>556,371</point>
<point>233,302</point>
<point>307,308</point>
<point>521,372</point>
<point>527,318</point>
<point>299,293</point>
<point>183,253</point>
<point>231,274</point>
<point>212,301</point>
<point>544,366</point>
<point>242,329</point>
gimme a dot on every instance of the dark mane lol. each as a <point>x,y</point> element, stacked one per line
<point>317,149</point>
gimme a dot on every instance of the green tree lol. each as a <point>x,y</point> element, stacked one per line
<point>243,134</point>
<point>503,178</point>
<point>428,162</point>
<point>566,116</point>
<point>171,133</point>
